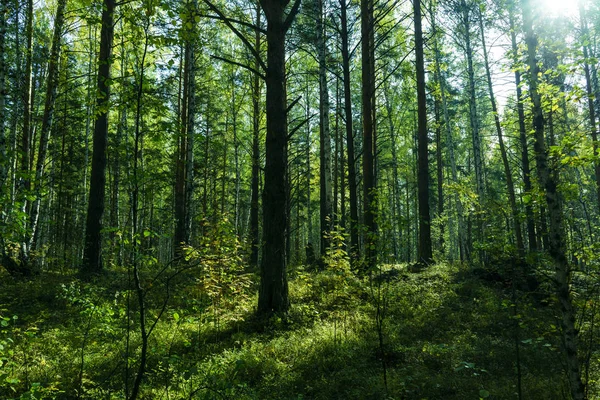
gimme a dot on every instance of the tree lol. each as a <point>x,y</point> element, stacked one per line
<point>548,178</point>
<point>425,255</point>
<point>92,257</point>
<point>368,120</point>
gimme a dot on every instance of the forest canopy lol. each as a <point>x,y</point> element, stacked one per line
<point>194,192</point>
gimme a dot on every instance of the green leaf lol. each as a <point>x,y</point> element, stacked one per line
<point>484,394</point>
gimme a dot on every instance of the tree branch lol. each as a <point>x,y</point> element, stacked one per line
<point>290,17</point>
<point>227,22</point>
<point>236,21</point>
<point>239,65</point>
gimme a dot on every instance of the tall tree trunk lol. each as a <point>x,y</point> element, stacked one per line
<point>510,188</point>
<point>185,158</point>
<point>439,163</point>
<point>368,113</point>
<point>92,258</point>
<point>254,200</point>
<point>590,95</point>
<point>51,88</point>
<point>531,234</point>
<point>3,152</point>
<point>273,293</point>
<point>352,188</point>
<point>425,255</point>
<point>326,216</point>
<point>548,178</point>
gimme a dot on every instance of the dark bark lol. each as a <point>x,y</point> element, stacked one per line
<point>273,292</point>
<point>326,216</point>
<point>92,258</point>
<point>368,113</point>
<point>185,160</point>
<point>3,153</point>
<point>352,188</point>
<point>425,255</point>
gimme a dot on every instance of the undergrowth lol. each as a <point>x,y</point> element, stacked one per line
<point>442,334</point>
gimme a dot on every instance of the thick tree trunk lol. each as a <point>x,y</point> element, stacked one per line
<point>548,178</point>
<point>326,216</point>
<point>273,292</point>
<point>92,258</point>
<point>352,188</point>
<point>425,256</point>
<point>531,234</point>
<point>510,188</point>
<point>368,113</point>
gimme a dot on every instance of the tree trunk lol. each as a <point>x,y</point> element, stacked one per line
<point>368,113</point>
<point>352,188</point>
<point>185,161</point>
<point>531,234</point>
<point>254,201</point>
<point>51,88</point>
<point>326,217</point>
<point>92,258</point>
<point>548,178</point>
<point>507,172</point>
<point>273,293</point>
<point>425,256</point>
<point>3,152</point>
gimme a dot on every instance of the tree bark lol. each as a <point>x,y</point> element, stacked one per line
<point>368,113</point>
<point>92,258</point>
<point>273,292</point>
<point>425,256</point>
<point>352,188</point>
<point>185,160</point>
<point>326,216</point>
<point>51,88</point>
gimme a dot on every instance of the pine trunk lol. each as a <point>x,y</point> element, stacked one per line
<point>92,258</point>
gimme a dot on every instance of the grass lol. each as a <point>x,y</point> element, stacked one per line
<point>443,334</point>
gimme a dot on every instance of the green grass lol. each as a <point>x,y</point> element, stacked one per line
<point>445,335</point>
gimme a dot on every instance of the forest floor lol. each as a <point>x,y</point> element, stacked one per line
<point>441,333</point>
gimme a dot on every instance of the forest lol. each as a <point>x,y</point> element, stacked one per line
<point>299,199</point>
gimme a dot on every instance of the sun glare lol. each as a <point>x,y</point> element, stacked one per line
<point>565,8</point>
